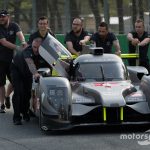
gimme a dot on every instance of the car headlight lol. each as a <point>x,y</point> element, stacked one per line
<point>136,97</point>
<point>57,97</point>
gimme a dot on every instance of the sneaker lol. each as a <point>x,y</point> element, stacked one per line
<point>7,102</point>
<point>17,122</point>
<point>31,113</point>
<point>26,117</point>
<point>2,108</point>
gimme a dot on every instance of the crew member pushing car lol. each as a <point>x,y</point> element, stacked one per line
<point>106,39</point>
<point>24,65</point>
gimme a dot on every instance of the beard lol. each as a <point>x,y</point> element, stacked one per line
<point>4,23</point>
<point>36,53</point>
<point>77,31</point>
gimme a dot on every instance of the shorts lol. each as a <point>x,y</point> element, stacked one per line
<point>4,72</point>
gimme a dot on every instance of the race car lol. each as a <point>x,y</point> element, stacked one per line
<point>92,90</point>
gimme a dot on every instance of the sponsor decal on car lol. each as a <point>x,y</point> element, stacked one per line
<point>107,84</point>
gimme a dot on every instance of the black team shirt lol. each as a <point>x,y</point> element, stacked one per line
<point>9,34</point>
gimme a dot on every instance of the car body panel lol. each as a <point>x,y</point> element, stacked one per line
<point>97,91</point>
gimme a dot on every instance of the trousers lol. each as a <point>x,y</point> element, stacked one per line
<point>22,93</point>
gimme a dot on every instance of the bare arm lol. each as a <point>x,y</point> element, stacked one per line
<point>32,68</point>
<point>144,42</point>
<point>22,39</point>
<point>31,65</point>
<point>85,40</point>
<point>71,49</point>
<point>117,47</point>
<point>134,41</point>
<point>8,44</point>
<point>12,46</point>
<point>130,37</point>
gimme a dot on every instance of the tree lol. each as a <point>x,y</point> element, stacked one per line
<point>120,15</point>
<point>41,8</point>
<point>141,11</point>
<point>17,10</point>
<point>134,12</point>
<point>74,11</point>
<point>15,4</point>
<point>54,13</point>
<point>95,10</point>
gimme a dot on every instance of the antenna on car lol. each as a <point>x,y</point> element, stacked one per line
<point>96,50</point>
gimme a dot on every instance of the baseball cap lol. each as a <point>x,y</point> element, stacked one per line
<point>4,13</point>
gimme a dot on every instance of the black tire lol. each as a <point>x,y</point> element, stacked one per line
<point>40,117</point>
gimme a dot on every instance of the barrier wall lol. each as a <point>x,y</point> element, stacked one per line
<point>121,37</point>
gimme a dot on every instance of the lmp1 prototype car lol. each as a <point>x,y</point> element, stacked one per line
<point>95,89</point>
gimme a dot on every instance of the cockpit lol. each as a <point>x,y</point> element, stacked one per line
<point>100,71</point>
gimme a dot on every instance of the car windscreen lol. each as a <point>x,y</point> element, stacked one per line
<point>103,71</point>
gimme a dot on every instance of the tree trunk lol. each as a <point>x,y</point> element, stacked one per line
<point>57,14</point>
<point>41,8</point>
<point>51,16</point>
<point>17,10</point>
<point>134,12</point>
<point>54,16</point>
<point>95,10</point>
<point>141,11</point>
<point>120,15</point>
<point>74,11</point>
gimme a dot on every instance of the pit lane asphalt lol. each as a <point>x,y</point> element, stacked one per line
<point>29,137</point>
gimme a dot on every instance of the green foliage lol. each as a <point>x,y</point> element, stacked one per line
<point>23,13</point>
<point>26,4</point>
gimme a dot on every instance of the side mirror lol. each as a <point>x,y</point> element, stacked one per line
<point>45,72</point>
